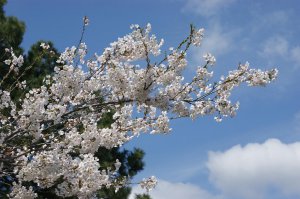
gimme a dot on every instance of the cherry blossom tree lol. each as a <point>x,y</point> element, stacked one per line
<point>49,138</point>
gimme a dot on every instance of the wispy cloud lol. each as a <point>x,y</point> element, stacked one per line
<point>278,47</point>
<point>295,55</point>
<point>275,17</point>
<point>260,20</point>
<point>275,46</point>
<point>216,41</point>
<point>249,172</point>
<point>206,7</point>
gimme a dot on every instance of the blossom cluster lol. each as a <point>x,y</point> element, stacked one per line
<point>58,122</point>
<point>149,183</point>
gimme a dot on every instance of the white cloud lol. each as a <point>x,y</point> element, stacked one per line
<point>250,171</point>
<point>261,20</point>
<point>274,18</point>
<point>166,190</point>
<point>275,46</point>
<point>216,41</point>
<point>295,55</point>
<point>278,46</point>
<point>206,7</point>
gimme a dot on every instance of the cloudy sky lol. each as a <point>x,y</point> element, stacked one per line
<point>255,155</point>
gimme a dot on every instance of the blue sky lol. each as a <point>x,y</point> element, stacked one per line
<point>201,159</point>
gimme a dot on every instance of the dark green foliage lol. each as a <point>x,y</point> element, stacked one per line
<point>36,63</point>
<point>11,31</point>
<point>42,63</point>
<point>106,120</point>
<point>2,3</point>
<point>11,36</point>
<point>131,160</point>
<point>111,194</point>
<point>142,196</point>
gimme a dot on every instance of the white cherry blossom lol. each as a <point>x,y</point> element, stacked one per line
<point>59,119</point>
